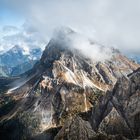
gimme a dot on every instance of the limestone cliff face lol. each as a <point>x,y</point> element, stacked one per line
<point>77,97</point>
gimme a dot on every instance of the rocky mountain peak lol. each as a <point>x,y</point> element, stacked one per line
<point>68,88</point>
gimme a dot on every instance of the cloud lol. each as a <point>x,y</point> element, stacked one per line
<point>110,22</point>
<point>25,36</point>
<point>9,28</point>
<point>66,37</point>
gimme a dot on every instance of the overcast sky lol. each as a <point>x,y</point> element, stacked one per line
<point>109,22</point>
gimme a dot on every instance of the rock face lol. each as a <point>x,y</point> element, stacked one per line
<point>75,128</point>
<point>86,99</point>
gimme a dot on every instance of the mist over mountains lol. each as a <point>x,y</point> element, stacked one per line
<point>20,59</point>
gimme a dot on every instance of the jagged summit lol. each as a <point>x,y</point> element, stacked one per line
<point>66,39</point>
<point>72,49</point>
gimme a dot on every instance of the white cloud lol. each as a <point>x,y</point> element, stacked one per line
<point>69,38</point>
<point>25,36</point>
<point>110,22</point>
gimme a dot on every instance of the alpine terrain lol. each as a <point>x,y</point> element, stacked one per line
<point>70,94</point>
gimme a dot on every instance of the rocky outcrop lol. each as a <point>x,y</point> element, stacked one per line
<point>114,124</point>
<point>114,116</point>
<point>75,128</point>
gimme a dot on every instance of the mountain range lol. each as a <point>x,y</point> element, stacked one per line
<point>18,60</point>
<point>68,95</point>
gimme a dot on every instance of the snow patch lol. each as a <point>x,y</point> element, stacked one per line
<point>26,50</point>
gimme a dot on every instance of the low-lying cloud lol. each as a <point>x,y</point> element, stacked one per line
<point>70,39</point>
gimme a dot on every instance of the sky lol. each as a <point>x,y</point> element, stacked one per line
<point>32,22</point>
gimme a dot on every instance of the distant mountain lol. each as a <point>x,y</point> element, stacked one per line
<point>135,58</point>
<point>68,96</point>
<point>18,59</point>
